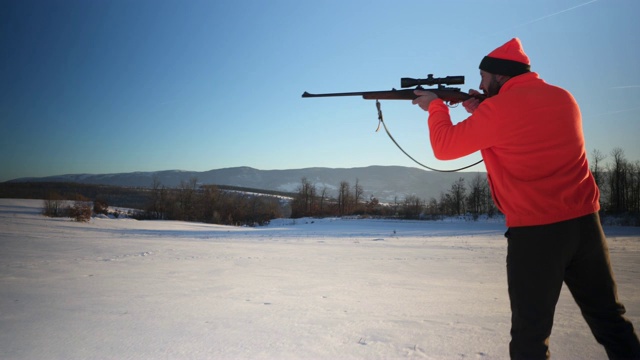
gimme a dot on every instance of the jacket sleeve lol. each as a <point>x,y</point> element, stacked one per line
<point>479,131</point>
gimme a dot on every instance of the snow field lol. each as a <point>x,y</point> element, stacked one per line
<point>319,289</point>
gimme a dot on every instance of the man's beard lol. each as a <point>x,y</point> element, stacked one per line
<point>494,87</point>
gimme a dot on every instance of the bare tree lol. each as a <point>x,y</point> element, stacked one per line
<point>432,208</point>
<point>209,204</point>
<point>413,206</point>
<point>618,185</point>
<point>476,200</point>
<point>596,168</point>
<point>304,202</point>
<point>344,198</point>
<point>322,199</point>
<point>634,198</point>
<point>358,192</point>
<point>158,207</point>
<point>53,205</point>
<point>458,193</point>
<point>186,199</point>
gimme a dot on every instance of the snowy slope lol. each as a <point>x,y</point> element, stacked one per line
<point>320,289</point>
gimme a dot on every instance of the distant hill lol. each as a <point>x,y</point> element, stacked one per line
<point>384,182</point>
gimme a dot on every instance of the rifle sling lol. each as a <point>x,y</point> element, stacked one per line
<point>381,122</point>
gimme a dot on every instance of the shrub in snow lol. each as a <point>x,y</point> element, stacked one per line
<point>80,211</point>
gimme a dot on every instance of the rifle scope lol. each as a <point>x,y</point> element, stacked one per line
<point>430,81</point>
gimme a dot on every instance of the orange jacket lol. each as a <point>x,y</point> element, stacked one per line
<point>530,137</point>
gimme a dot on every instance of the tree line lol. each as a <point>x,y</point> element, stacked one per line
<point>209,204</point>
<point>473,199</point>
<point>617,178</point>
<point>619,184</point>
<point>189,201</point>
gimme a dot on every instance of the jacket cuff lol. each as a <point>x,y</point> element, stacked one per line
<point>437,105</point>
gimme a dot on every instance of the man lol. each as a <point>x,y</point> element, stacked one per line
<point>530,136</point>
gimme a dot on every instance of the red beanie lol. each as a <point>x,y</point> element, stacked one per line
<point>509,59</point>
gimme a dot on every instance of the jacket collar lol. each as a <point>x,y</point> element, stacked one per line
<point>517,80</point>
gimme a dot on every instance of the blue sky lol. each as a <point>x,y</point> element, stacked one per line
<point>136,85</point>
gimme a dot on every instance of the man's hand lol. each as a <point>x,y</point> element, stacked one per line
<point>424,99</point>
<point>472,103</point>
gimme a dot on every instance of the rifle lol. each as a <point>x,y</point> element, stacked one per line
<point>452,95</point>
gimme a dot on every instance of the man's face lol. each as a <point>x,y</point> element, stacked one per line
<point>489,84</point>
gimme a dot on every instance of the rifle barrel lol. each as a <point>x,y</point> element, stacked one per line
<point>383,94</point>
<point>308,95</point>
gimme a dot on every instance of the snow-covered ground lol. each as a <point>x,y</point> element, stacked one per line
<point>318,289</point>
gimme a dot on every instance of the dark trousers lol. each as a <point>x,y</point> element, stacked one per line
<point>539,260</point>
